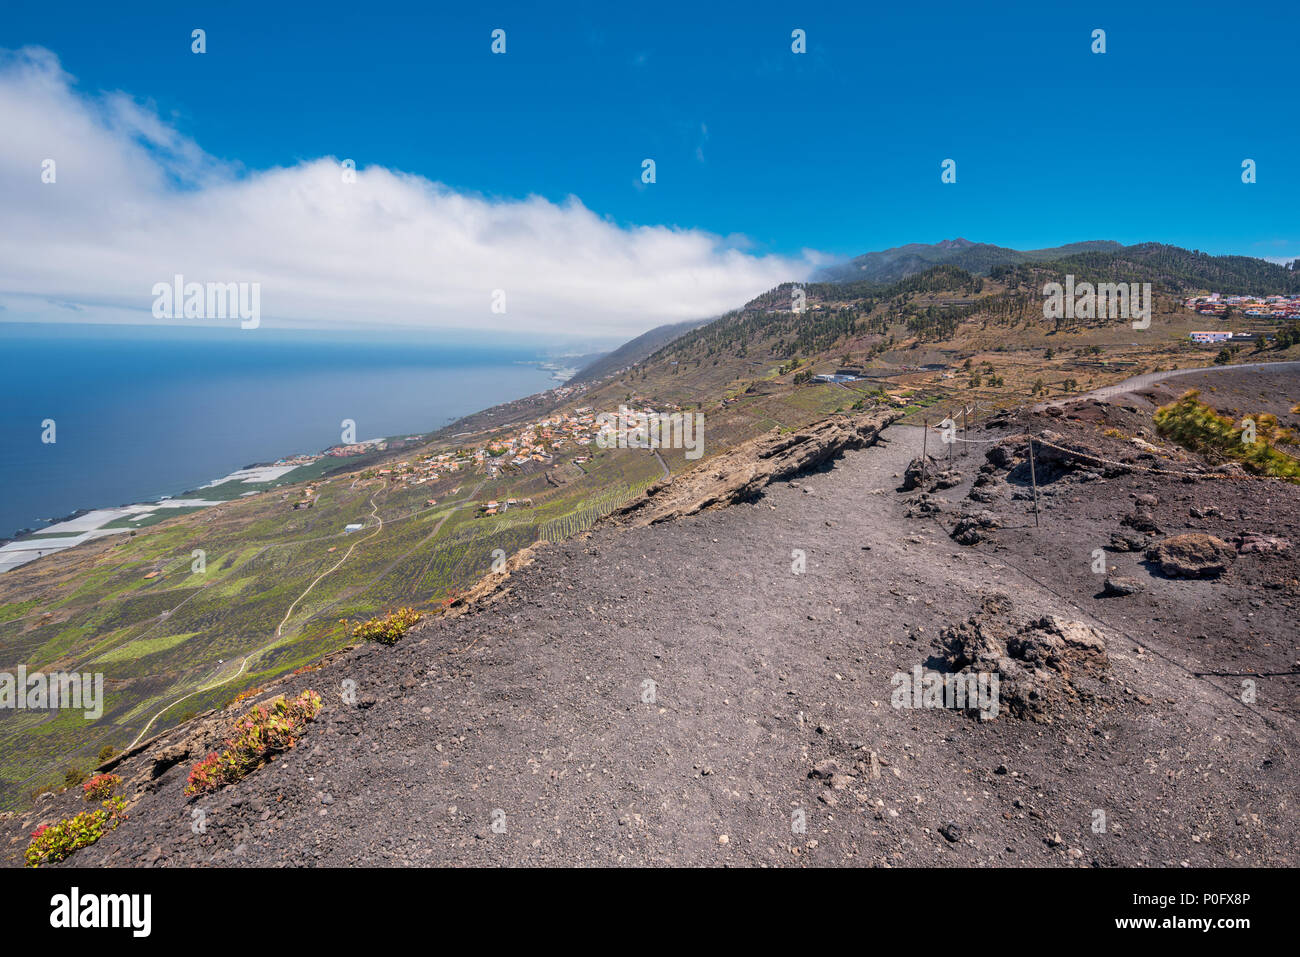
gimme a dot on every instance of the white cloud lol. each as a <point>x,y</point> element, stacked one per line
<point>136,202</point>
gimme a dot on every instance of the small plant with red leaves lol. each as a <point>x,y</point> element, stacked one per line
<point>262,733</point>
<point>387,629</point>
<point>100,787</point>
<point>52,843</point>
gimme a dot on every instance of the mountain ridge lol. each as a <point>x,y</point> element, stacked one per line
<point>899,262</point>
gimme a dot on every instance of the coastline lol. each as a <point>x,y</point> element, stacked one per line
<point>75,528</point>
<point>64,532</point>
<point>174,416</point>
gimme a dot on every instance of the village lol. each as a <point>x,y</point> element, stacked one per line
<point>526,448</point>
<point>1223,307</point>
<point>1256,307</point>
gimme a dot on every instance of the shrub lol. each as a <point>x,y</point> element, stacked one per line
<point>105,753</point>
<point>259,735</point>
<point>389,628</point>
<point>73,776</point>
<point>53,842</point>
<point>1194,425</point>
<point>100,787</point>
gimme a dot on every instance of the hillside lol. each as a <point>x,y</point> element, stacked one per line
<point>891,265</point>
<point>633,351</point>
<point>556,721</point>
<point>1174,269</point>
<point>283,586</point>
<point>952,334</point>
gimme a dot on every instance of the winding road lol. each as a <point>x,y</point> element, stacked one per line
<point>279,630</point>
<point>1151,378</point>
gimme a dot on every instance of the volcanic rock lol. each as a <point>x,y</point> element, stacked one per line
<point>1193,555</point>
<point>740,473</point>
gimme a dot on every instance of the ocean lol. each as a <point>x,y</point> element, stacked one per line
<point>142,412</point>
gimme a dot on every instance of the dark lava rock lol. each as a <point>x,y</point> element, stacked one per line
<point>1116,585</point>
<point>916,469</point>
<point>1127,542</point>
<point>922,505</point>
<point>825,770</point>
<point>1141,520</point>
<point>1002,456</point>
<point>970,529</point>
<point>948,478</point>
<point>1036,661</point>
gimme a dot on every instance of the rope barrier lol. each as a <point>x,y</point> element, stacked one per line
<point>1141,468</point>
<point>1128,466</point>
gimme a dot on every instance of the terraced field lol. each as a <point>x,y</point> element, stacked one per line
<point>182,616</point>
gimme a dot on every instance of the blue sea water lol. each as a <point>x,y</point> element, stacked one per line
<point>142,412</point>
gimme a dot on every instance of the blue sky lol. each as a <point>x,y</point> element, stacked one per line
<point>837,150</point>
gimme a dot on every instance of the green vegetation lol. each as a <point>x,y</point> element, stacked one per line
<point>100,787</point>
<point>52,843</point>
<point>269,596</point>
<point>1172,267</point>
<point>387,629</point>
<point>258,736</point>
<point>1195,425</point>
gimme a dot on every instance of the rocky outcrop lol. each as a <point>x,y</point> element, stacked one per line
<point>1193,555</point>
<point>741,473</point>
<point>929,474</point>
<point>1038,662</point>
<point>971,529</point>
<point>1054,456</point>
<point>1141,520</point>
<point>1247,542</point>
<point>917,471</point>
<point>1126,542</point>
<point>923,505</point>
<point>1119,586</point>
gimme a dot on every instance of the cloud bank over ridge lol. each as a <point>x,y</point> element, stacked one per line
<point>135,202</point>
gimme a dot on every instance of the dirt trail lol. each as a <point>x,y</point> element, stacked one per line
<point>660,695</point>
<point>279,629</point>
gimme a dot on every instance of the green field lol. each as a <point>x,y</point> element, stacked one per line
<point>185,634</point>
